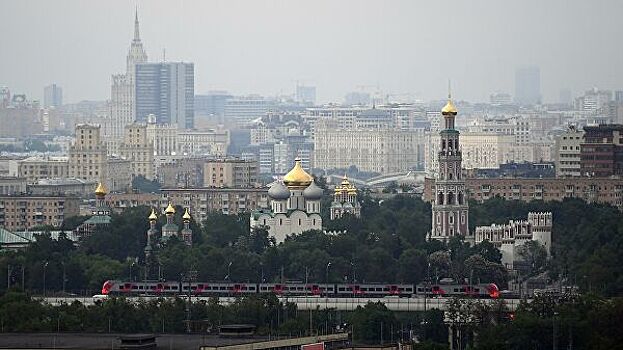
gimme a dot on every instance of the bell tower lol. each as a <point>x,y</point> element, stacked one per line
<point>450,209</point>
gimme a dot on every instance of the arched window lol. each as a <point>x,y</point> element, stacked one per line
<point>440,198</point>
<point>450,198</point>
<point>460,198</point>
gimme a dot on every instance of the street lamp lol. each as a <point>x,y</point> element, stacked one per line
<point>228,271</point>
<point>327,276</point>
<point>45,266</point>
<point>64,278</point>
<point>131,268</point>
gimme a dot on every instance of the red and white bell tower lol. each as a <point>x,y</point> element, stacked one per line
<point>449,207</point>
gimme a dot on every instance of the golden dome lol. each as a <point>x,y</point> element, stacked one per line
<point>169,209</point>
<point>449,108</point>
<point>297,178</point>
<point>153,215</point>
<point>186,215</point>
<point>100,190</point>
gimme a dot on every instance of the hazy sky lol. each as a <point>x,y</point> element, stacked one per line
<point>257,46</point>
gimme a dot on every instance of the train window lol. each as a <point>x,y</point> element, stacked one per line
<point>456,289</point>
<point>167,288</point>
<point>263,288</point>
<point>341,289</point>
<point>140,287</point>
<point>223,288</point>
<point>477,289</point>
<point>300,288</point>
<point>134,287</point>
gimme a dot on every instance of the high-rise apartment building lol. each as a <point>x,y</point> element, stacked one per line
<point>567,153</point>
<point>24,211</point>
<point>122,94</point>
<point>166,90</point>
<point>528,85</point>
<point>88,155</point>
<point>138,149</point>
<point>306,94</point>
<point>236,173</point>
<point>601,153</point>
<point>52,96</point>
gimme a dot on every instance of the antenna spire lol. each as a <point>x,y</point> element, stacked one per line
<point>449,90</point>
<point>137,37</point>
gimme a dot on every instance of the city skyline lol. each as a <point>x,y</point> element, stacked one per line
<point>264,47</point>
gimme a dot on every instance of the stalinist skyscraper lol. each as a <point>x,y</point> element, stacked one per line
<point>122,94</point>
<point>450,208</point>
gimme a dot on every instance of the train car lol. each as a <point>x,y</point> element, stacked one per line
<point>481,290</point>
<point>374,290</point>
<point>113,287</point>
<point>297,289</point>
<point>219,288</point>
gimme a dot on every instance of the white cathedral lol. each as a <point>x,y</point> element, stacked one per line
<point>295,205</point>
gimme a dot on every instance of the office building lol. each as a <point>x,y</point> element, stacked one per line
<point>166,90</point>
<point>380,150</point>
<point>36,168</point>
<point>52,96</point>
<point>528,86</point>
<point>241,110</point>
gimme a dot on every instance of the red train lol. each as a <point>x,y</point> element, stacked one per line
<point>172,288</point>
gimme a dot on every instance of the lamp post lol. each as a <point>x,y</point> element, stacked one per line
<point>45,266</point>
<point>327,278</point>
<point>64,278</point>
<point>227,278</point>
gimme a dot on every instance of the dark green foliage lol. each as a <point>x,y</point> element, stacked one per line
<point>141,184</point>
<point>373,324</point>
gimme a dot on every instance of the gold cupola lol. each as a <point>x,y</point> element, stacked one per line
<point>169,210</point>
<point>186,216</point>
<point>100,190</point>
<point>153,216</point>
<point>449,108</point>
<point>297,178</point>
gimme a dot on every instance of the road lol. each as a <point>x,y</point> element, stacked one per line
<point>313,303</point>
